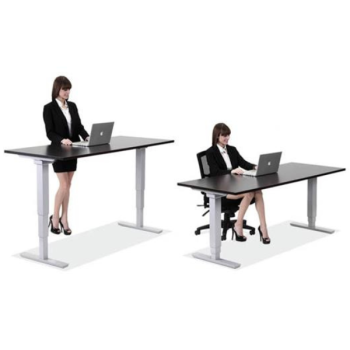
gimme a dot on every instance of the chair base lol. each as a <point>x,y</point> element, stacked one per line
<point>226,225</point>
<point>199,229</point>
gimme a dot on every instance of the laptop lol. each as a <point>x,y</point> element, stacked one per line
<point>100,135</point>
<point>268,164</point>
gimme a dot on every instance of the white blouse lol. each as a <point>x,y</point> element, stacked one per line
<point>224,154</point>
<point>66,114</point>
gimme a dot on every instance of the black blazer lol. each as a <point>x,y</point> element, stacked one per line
<point>217,163</point>
<point>56,123</point>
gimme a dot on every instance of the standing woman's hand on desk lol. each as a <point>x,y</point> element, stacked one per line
<point>237,171</point>
<point>66,142</point>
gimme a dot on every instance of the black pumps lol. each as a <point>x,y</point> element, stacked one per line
<point>54,230</point>
<point>239,238</point>
<point>66,232</point>
<point>264,240</point>
<point>58,230</point>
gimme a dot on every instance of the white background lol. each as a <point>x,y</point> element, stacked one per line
<point>277,72</point>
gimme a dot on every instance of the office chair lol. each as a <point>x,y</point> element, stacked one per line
<point>228,211</point>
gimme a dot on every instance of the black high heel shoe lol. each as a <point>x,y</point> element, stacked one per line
<point>264,240</point>
<point>239,238</point>
<point>54,230</point>
<point>66,232</point>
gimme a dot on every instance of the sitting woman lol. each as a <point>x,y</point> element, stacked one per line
<point>224,159</point>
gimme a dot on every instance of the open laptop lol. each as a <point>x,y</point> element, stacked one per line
<point>100,134</point>
<point>268,164</point>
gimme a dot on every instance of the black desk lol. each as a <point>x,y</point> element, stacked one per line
<point>219,186</point>
<point>45,155</point>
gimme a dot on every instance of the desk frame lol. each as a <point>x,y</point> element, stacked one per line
<point>215,224</point>
<point>215,234</point>
<point>140,194</point>
<point>312,209</point>
<point>43,206</point>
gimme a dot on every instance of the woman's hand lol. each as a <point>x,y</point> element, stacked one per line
<point>237,171</point>
<point>66,142</point>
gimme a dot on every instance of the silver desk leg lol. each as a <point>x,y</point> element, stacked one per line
<point>215,234</point>
<point>311,209</point>
<point>140,194</point>
<point>43,213</point>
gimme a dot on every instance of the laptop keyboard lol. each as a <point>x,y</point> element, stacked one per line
<point>250,172</point>
<point>81,143</point>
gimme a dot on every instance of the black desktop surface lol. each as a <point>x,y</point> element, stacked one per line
<point>62,152</point>
<point>237,184</point>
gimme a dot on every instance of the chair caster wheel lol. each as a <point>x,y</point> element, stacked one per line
<point>223,237</point>
<point>252,232</point>
<point>197,232</point>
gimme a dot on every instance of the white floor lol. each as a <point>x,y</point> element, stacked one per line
<point>128,289</point>
<point>283,236</point>
<point>83,248</point>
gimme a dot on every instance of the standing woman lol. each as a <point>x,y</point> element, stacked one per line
<point>224,159</point>
<point>63,126</point>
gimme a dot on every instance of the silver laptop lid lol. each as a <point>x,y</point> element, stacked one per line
<point>269,163</point>
<point>101,134</point>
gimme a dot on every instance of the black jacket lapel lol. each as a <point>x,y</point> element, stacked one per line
<point>219,158</point>
<point>60,114</point>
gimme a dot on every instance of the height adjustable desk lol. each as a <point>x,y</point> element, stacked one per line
<point>219,186</point>
<point>45,155</point>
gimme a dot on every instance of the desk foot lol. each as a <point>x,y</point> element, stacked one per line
<point>51,262</point>
<point>313,228</point>
<point>223,262</point>
<point>142,228</point>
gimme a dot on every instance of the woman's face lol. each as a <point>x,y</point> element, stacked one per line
<point>64,94</point>
<point>223,140</point>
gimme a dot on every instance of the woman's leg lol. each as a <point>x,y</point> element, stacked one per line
<point>247,198</point>
<point>64,217</point>
<point>260,208</point>
<point>60,196</point>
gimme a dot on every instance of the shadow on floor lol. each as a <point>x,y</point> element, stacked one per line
<point>284,238</point>
<point>95,244</point>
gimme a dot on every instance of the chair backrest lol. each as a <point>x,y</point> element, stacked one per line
<point>203,164</point>
<point>227,207</point>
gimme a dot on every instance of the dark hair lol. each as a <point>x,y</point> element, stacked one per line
<point>60,83</point>
<point>220,129</point>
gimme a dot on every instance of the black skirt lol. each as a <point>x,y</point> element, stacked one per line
<point>64,166</point>
<point>228,203</point>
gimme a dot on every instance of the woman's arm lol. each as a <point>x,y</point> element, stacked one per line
<point>81,131</point>
<point>244,164</point>
<point>213,165</point>
<point>50,127</point>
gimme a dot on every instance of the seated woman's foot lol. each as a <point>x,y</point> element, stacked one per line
<point>238,231</point>
<point>264,237</point>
